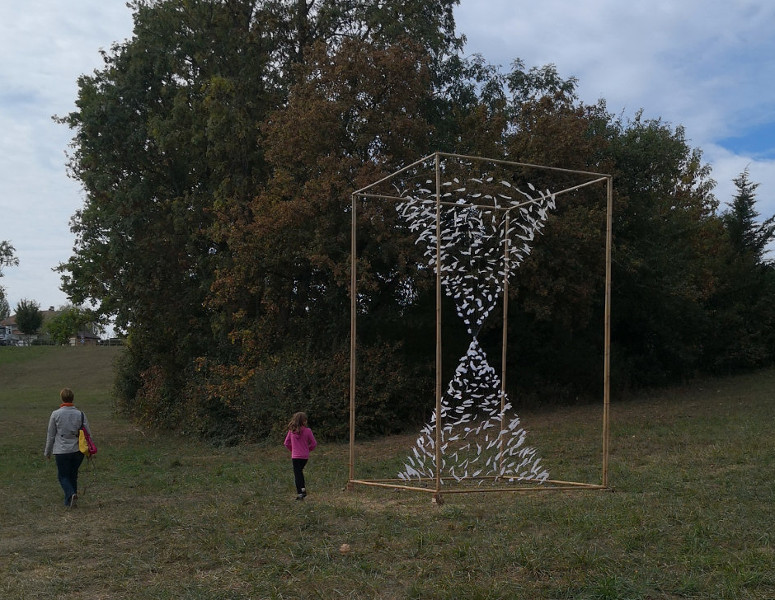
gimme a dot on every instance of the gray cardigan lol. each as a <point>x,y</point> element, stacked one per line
<point>63,429</point>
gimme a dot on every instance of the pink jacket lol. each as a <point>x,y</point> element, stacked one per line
<point>300,444</point>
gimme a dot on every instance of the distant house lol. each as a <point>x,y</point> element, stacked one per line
<point>7,337</point>
<point>10,335</point>
<point>84,338</point>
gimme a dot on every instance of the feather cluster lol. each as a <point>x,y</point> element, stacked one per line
<point>480,237</point>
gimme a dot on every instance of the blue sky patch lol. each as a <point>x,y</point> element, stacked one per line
<point>757,142</point>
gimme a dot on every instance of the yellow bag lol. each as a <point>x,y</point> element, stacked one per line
<point>83,445</point>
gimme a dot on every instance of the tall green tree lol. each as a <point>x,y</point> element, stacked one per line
<point>7,256</point>
<point>165,132</point>
<point>747,236</point>
<point>170,143</point>
<point>354,113</point>
<point>742,307</point>
<point>68,322</point>
<point>219,147</point>
<point>294,26</point>
<point>5,308</point>
<point>7,259</point>
<point>666,252</point>
<point>28,317</point>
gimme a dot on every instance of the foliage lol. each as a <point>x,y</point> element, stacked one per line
<point>664,260</point>
<point>68,322</point>
<point>742,302</point>
<point>163,136</point>
<point>748,238</point>
<point>349,113</point>
<point>219,148</point>
<point>5,308</point>
<point>208,136</point>
<point>7,259</point>
<point>7,256</point>
<point>28,316</point>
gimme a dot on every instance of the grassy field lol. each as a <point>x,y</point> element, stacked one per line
<point>691,516</point>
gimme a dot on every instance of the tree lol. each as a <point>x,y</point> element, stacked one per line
<point>296,25</point>
<point>7,256</point>
<point>741,307</point>
<point>218,149</point>
<point>68,322</point>
<point>28,317</point>
<point>170,146</point>
<point>5,309</point>
<point>353,114</point>
<point>747,237</point>
<point>7,259</point>
<point>164,133</point>
<point>665,255</point>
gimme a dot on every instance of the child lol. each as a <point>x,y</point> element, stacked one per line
<point>300,442</point>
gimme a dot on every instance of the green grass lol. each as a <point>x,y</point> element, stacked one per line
<point>691,515</point>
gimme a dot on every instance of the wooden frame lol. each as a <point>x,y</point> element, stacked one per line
<point>434,485</point>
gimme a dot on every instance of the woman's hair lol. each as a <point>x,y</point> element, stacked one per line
<point>66,395</point>
<point>298,420</point>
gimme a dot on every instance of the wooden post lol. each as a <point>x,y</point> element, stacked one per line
<point>506,244</point>
<point>353,315</point>
<point>607,331</point>
<point>437,496</point>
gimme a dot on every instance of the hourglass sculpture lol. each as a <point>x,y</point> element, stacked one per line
<point>481,244</point>
<point>475,231</point>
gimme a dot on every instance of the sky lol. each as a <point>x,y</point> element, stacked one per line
<point>706,65</point>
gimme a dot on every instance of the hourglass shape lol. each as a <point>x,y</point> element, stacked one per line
<point>485,229</point>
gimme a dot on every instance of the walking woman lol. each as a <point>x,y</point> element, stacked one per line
<point>62,442</point>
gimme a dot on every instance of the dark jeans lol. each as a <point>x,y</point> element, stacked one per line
<point>298,473</point>
<point>67,473</point>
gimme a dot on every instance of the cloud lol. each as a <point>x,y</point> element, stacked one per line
<point>45,45</point>
<point>708,65</point>
<point>728,165</point>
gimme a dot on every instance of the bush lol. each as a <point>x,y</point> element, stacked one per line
<point>302,380</point>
